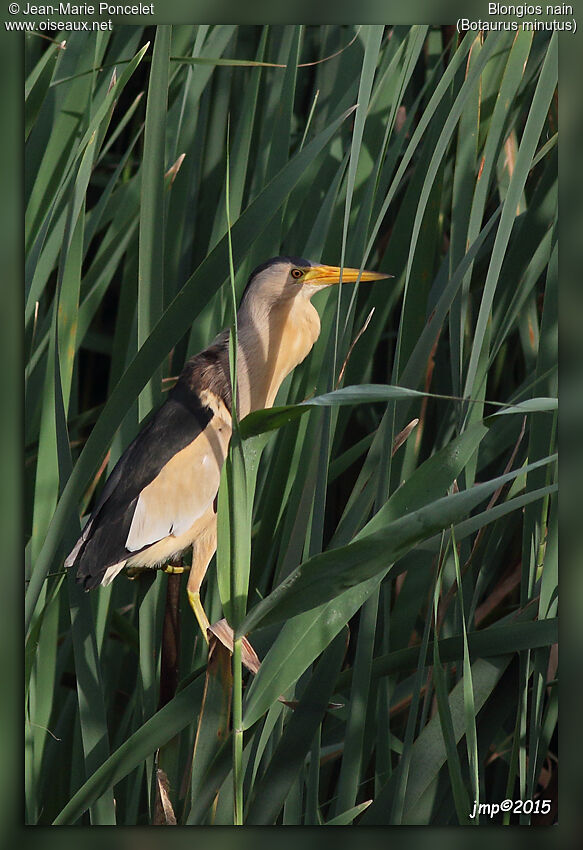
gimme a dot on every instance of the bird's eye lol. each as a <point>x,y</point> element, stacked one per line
<point>297,273</point>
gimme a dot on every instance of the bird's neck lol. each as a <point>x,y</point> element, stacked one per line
<point>271,344</point>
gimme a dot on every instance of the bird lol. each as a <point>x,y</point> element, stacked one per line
<point>161,497</point>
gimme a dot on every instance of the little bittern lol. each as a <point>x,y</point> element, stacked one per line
<point>160,498</point>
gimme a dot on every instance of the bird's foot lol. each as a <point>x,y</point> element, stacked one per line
<point>174,569</point>
<point>224,633</point>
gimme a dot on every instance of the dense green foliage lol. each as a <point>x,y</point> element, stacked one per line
<point>402,591</point>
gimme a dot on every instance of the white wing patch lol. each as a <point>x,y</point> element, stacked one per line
<point>111,573</point>
<point>183,489</point>
<point>72,556</point>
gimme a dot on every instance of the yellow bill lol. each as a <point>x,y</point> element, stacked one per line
<point>328,275</point>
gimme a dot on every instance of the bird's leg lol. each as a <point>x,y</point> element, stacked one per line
<point>199,612</point>
<point>202,552</point>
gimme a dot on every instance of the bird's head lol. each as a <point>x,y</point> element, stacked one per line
<point>284,279</point>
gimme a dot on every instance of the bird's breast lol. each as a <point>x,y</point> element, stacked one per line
<point>267,358</point>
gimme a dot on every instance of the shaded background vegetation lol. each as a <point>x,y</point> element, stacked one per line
<point>444,176</point>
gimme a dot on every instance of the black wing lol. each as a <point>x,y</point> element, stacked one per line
<point>173,427</point>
